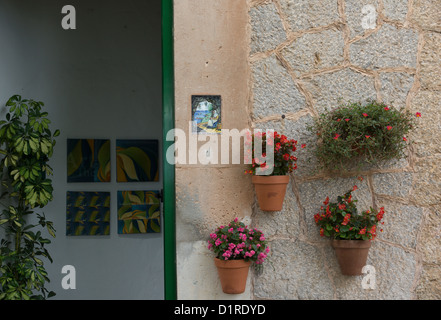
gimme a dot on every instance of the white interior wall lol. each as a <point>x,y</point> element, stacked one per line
<point>102,80</point>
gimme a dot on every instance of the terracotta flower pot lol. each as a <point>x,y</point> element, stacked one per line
<point>270,191</point>
<point>232,274</point>
<point>351,255</point>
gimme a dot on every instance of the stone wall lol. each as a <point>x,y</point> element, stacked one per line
<point>305,55</point>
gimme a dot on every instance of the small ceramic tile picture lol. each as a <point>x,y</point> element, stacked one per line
<point>139,212</point>
<point>206,115</point>
<point>88,160</point>
<point>87,213</point>
<point>137,160</point>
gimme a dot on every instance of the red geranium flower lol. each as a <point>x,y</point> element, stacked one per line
<point>346,219</point>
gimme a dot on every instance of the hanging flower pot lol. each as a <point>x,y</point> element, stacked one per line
<point>351,255</point>
<point>351,232</point>
<point>233,275</point>
<point>270,191</point>
<point>237,247</point>
<point>271,169</point>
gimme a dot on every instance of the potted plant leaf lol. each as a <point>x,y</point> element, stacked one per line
<point>236,247</point>
<point>270,167</point>
<point>351,232</point>
<point>26,145</point>
<point>355,134</point>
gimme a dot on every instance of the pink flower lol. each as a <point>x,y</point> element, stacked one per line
<point>386,108</point>
<point>365,115</point>
<point>218,242</point>
<point>227,254</point>
<point>367,137</point>
<point>404,138</point>
<point>389,127</point>
<point>262,238</point>
<point>250,254</point>
<point>213,236</point>
<point>336,136</point>
<point>418,115</point>
<point>347,120</point>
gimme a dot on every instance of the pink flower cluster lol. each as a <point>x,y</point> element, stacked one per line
<point>237,241</point>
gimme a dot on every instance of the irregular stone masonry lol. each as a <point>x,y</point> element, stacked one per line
<point>305,55</point>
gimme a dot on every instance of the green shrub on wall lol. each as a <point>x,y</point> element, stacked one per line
<point>356,134</point>
<point>26,145</point>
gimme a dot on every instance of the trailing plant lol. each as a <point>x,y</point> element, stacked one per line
<point>355,134</point>
<point>237,241</point>
<point>284,160</point>
<point>26,145</point>
<point>341,220</point>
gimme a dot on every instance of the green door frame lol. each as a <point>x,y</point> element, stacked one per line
<point>168,112</point>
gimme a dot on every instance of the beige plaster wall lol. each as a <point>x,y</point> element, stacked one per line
<point>211,52</point>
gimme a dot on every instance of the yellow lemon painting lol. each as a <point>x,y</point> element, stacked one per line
<point>137,160</point>
<point>139,212</point>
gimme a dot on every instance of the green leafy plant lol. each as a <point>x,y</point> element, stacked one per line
<point>355,134</point>
<point>236,241</point>
<point>284,160</point>
<point>341,220</point>
<point>26,144</point>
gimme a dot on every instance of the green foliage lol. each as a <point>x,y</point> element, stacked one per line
<point>358,134</point>
<point>26,143</point>
<point>342,221</point>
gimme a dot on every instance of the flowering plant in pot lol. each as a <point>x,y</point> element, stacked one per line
<point>272,160</point>
<point>236,247</point>
<point>351,232</point>
<point>356,133</point>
